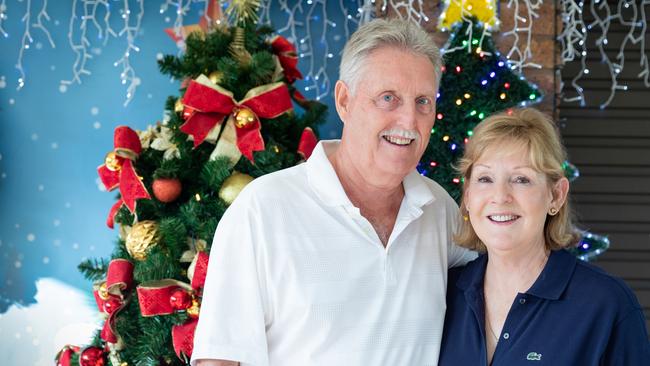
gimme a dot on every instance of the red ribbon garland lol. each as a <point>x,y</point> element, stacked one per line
<point>286,53</point>
<point>155,299</point>
<point>127,148</point>
<point>118,279</point>
<point>209,104</point>
<point>64,357</point>
<point>308,141</point>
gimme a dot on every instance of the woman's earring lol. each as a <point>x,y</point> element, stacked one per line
<point>553,211</point>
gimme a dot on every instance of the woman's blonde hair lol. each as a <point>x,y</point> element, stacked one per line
<point>537,132</point>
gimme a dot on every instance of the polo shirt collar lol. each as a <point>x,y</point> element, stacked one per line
<point>326,184</point>
<point>550,284</point>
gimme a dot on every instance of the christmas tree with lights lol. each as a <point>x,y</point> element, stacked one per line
<point>233,122</point>
<point>476,83</point>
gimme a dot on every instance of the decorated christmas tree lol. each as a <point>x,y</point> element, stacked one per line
<point>476,83</point>
<point>233,122</point>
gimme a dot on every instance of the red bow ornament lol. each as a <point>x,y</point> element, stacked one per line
<point>167,296</point>
<point>64,357</point>
<point>118,170</point>
<point>208,104</point>
<point>286,53</point>
<point>110,295</point>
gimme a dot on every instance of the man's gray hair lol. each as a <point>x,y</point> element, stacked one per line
<point>382,33</point>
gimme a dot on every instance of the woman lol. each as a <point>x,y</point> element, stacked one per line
<point>526,301</point>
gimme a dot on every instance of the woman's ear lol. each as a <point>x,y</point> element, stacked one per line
<point>341,99</point>
<point>560,192</point>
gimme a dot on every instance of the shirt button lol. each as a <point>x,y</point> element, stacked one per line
<point>522,301</point>
<point>506,335</point>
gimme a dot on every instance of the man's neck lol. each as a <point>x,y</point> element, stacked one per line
<point>378,202</point>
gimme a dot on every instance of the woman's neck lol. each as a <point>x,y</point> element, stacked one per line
<point>514,271</point>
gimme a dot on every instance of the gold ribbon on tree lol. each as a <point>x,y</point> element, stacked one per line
<point>207,106</point>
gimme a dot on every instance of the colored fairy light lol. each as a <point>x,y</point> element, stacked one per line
<point>459,101</point>
<point>467,96</point>
<point>443,68</point>
<point>481,115</point>
<point>502,96</point>
<point>532,96</point>
<point>464,43</point>
<point>493,74</point>
<point>445,138</point>
<point>433,130</point>
<point>456,180</point>
<point>501,63</point>
<point>466,140</point>
<point>458,69</point>
<point>506,85</point>
<point>433,164</point>
<point>453,146</point>
<point>475,41</point>
<point>470,133</point>
<point>484,82</point>
<point>439,116</point>
<point>472,113</point>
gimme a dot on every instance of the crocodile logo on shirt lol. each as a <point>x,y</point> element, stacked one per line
<point>534,356</point>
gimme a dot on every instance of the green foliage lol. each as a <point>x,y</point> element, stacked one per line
<point>447,139</point>
<point>195,214</point>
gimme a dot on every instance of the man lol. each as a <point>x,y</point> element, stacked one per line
<point>342,260</point>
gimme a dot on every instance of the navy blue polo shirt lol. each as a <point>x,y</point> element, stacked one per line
<point>574,314</point>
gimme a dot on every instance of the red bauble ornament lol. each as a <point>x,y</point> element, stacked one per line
<point>112,304</point>
<point>167,189</point>
<point>180,300</point>
<point>92,356</point>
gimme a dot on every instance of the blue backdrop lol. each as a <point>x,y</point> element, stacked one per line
<point>52,139</point>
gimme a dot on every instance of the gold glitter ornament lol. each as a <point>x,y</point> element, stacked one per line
<point>103,291</point>
<point>244,117</point>
<point>193,311</point>
<point>233,185</point>
<point>111,161</point>
<point>178,106</point>
<point>143,237</point>
<point>216,77</point>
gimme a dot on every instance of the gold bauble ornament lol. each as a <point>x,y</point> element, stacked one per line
<point>193,311</point>
<point>112,162</point>
<point>178,106</point>
<point>143,237</point>
<point>233,185</point>
<point>102,291</point>
<point>244,117</point>
<point>216,77</point>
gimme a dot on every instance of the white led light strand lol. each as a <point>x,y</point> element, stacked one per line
<point>3,17</point>
<point>522,25</point>
<point>128,75</point>
<point>181,8</point>
<point>573,41</point>
<point>406,9</point>
<point>302,20</point>
<point>27,38</point>
<point>79,42</point>
<point>636,22</point>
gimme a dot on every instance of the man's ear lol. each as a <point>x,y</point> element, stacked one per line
<point>341,99</point>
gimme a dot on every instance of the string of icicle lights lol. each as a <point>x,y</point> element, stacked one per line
<point>307,23</point>
<point>573,39</point>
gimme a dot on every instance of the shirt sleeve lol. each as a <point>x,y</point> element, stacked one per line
<point>628,343</point>
<point>232,322</point>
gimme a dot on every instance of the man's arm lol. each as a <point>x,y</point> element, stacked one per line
<point>216,363</point>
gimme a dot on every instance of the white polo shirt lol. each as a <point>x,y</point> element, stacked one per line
<point>298,277</point>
